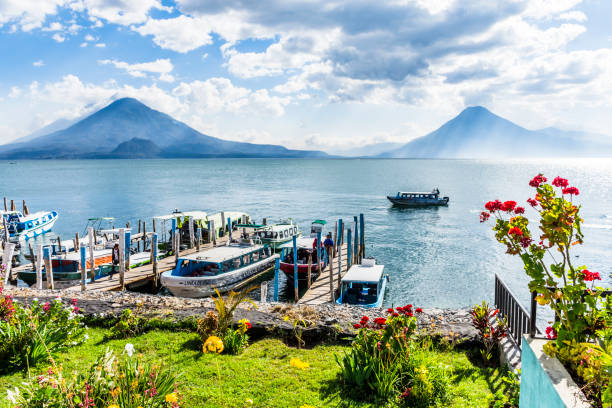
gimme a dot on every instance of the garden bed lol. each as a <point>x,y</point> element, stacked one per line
<point>263,373</point>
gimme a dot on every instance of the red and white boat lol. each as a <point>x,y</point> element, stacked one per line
<point>306,248</point>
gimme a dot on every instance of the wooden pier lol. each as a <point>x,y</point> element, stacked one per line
<point>320,290</point>
<point>142,274</point>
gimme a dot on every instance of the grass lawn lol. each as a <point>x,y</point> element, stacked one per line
<point>262,373</point>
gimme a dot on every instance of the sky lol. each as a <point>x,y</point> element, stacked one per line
<point>322,74</point>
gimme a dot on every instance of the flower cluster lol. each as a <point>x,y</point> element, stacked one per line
<point>7,309</point>
<point>551,333</point>
<point>490,328</point>
<point>589,276</point>
<point>213,344</point>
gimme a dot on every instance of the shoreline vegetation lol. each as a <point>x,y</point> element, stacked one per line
<point>276,369</point>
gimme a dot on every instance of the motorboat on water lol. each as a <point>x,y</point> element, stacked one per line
<point>29,226</point>
<point>275,235</point>
<point>222,268</point>
<point>364,285</point>
<point>307,257</point>
<point>418,199</point>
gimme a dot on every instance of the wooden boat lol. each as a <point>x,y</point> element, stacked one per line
<point>71,276</point>
<point>306,247</point>
<point>276,235</point>
<point>364,285</point>
<point>29,226</point>
<point>223,268</point>
<point>416,199</point>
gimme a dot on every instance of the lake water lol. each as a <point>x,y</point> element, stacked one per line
<point>438,257</point>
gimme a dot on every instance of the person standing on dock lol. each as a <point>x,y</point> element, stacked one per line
<point>115,261</point>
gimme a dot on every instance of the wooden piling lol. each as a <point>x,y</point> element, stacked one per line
<point>154,225</point>
<point>177,248</point>
<point>83,269</point>
<point>32,255</point>
<point>335,236</point>
<point>154,260</point>
<point>310,269</point>
<point>13,205</point>
<point>39,262</point>
<point>7,259</point>
<point>144,236</point>
<point>59,244</point>
<point>128,249</point>
<point>6,231</point>
<point>48,268</point>
<point>24,208</point>
<point>5,206</point>
<point>295,270</point>
<point>122,258</point>
<point>330,255</point>
<point>339,265</point>
<point>198,238</point>
<point>191,233</point>
<point>214,232</point>
<point>349,252</point>
<point>92,266</point>
<point>362,235</point>
<point>276,268</point>
<point>77,242</point>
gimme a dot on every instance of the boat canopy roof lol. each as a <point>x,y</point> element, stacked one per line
<point>417,192</point>
<point>222,253</point>
<point>101,219</point>
<point>197,215</point>
<point>302,242</point>
<point>322,222</point>
<point>362,273</point>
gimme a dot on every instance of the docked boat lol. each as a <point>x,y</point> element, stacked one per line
<point>306,255</point>
<point>29,226</point>
<point>276,235</point>
<point>364,285</point>
<point>416,199</point>
<point>222,268</point>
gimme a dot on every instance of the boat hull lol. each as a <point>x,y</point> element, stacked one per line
<point>288,270</point>
<point>398,202</point>
<point>379,300</point>
<point>204,286</point>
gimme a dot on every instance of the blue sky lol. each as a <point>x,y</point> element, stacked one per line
<point>327,74</point>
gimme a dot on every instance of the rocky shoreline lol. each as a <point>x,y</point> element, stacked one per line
<point>326,321</point>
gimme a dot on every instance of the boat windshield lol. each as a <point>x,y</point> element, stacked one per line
<point>358,293</point>
<point>195,268</point>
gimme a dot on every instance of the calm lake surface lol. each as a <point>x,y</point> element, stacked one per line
<point>438,257</point>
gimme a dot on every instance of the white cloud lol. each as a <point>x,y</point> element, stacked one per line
<point>38,63</point>
<point>181,34</point>
<point>83,44</point>
<point>163,67</point>
<point>55,26</point>
<point>58,37</point>
<point>28,15</point>
<point>90,38</point>
<point>100,45</point>
<point>123,12</point>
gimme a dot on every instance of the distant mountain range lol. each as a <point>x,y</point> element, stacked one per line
<point>478,133</point>
<point>129,129</point>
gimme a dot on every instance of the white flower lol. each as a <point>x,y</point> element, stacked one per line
<point>129,349</point>
<point>35,299</point>
<point>86,337</point>
<point>12,396</point>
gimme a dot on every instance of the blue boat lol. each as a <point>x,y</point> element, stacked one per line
<point>363,285</point>
<point>29,226</point>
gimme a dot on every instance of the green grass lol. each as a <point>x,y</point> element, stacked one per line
<point>262,373</point>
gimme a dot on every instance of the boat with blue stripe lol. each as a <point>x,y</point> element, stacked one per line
<point>29,226</point>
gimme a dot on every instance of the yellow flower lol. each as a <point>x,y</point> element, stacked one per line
<point>113,406</point>
<point>115,392</point>
<point>249,401</point>
<point>213,344</point>
<point>171,398</point>
<point>307,406</point>
<point>297,363</point>
<point>286,318</point>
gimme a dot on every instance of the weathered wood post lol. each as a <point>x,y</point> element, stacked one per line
<point>198,238</point>
<point>340,232</point>
<point>330,255</point>
<point>24,208</point>
<point>59,244</point>
<point>32,255</point>
<point>83,269</point>
<point>295,269</point>
<point>335,237</point>
<point>362,236</point>
<point>310,269</point>
<point>348,249</point>
<point>276,268</point>
<point>39,262</point>
<point>6,231</point>
<point>92,263</point>
<point>173,233</point>
<point>48,268</point>
<point>122,258</point>
<point>128,249</point>
<point>7,259</point>
<point>264,292</point>
<point>5,207</point>
<point>356,248</point>
<point>77,242</point>
<point>214,232</point>
<point>154,256</point>
<point>139,231</point>
<point>223,222</point>
<point>319,258</point>
<point>191,233</point>
<point>13,205</point>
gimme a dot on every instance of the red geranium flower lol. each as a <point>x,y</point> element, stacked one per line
<point>493,206</point>
<point>73,302</point>
<point>560,182</point>
<point>357,326</point>
<point>571,191</point>
<point>526,241</point>
<point>484,216</point>
<point>381,321</point>
<point>537,180</point>
<point>519,210</point>
<point>247,325</point>
<point>419,310</point>
<point>508,206</point>
<point>551,333</point>
<point>532,202</point>
<point>395,314</point>
<point>389,310</point>
<point>515,231</point>
<point>589,276</point>
<point>46,307</point>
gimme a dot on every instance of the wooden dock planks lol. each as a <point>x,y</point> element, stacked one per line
<point>319,291</point>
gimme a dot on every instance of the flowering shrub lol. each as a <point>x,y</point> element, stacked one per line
<point>490,328</point>
<point>236,339</point>
<point>386,361</point>
<point>582,314</point>
<point>112,381</point>
<point>27,334</point>
<point>129,325</point>
<point>7,309</point>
